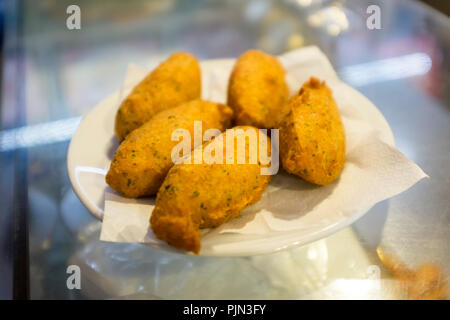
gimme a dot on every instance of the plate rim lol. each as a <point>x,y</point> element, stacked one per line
<point>92,208</point>
<point>256,250</point>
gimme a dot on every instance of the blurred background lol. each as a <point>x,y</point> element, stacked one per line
<point>442,6</point>
<point>52,76</point>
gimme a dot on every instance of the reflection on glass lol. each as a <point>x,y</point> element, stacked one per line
<point>414,64</point>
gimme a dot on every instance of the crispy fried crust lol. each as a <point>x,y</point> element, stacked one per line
<point>257,90</point>
<point>175,81</point>
<point>195,196</point>
<point>143,159</point>
<point>312,138</point>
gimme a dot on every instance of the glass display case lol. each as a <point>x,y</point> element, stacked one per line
<point>53,75</point>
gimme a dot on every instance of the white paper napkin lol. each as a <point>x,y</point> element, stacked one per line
<point>375,170</point>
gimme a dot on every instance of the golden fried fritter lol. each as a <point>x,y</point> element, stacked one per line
<point>257,90</point>
<point>208,194</point>
<point>144,157</point>
<point>175,81</point>
<point>312,138</point>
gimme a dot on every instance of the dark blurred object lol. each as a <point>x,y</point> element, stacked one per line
<point>441,5</point>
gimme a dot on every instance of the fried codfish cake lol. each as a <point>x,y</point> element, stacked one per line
<point>312,138</point>
<point>143,159</point>
<point>205,195</point>
<point>257,90</point>
<point>176,80</point>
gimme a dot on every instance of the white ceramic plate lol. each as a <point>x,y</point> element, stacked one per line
<point>93,146</point>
